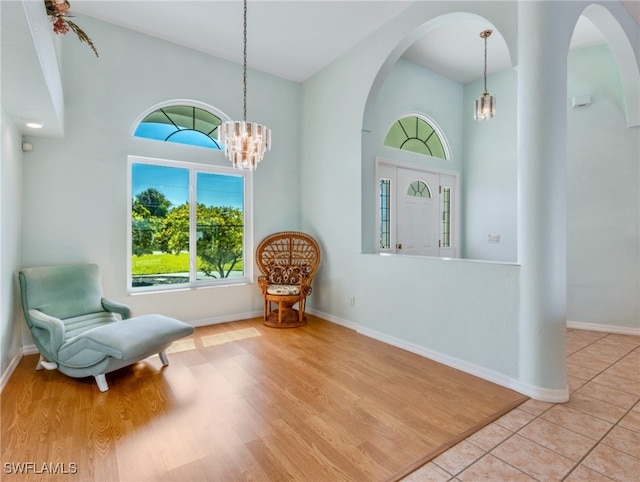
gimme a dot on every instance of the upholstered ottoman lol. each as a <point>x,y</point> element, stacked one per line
<point>126,342</point>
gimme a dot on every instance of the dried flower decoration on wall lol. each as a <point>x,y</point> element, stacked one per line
<point>58,11</point>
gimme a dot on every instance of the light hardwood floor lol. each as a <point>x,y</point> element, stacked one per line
<point>241,401</point>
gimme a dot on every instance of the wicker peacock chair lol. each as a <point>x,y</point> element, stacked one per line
<point>287,260</point>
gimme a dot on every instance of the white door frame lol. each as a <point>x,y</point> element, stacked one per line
<point>387,169</point>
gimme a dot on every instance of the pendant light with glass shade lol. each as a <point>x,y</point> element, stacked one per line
<point>245,142</point>
<point>485,106</point>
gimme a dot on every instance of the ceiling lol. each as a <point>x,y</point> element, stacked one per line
<point>290,39</point>
<point>294,39</point>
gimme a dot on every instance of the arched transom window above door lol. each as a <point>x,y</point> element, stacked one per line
<point>416,134</point>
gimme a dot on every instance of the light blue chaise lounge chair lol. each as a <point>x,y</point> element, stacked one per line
<point>76,330</point>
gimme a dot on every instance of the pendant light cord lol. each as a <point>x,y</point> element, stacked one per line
<point>244,65</point>
<point>485,65</point>
<point>485,35</point>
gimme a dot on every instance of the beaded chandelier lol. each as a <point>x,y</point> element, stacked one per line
<point>245,142</point>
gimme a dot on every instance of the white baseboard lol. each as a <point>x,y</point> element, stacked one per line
<point>541,394</point>
<point>537,393</point>
<point>30,350</point>
<point>333,319</point>
<point>6,376</point>
<point>618,330</point>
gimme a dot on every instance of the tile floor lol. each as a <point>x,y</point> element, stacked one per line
<point>594,437</point>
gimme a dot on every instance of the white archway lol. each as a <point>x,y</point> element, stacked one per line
<point>372,135</point>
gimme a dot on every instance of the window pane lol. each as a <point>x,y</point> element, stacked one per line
<point>446,217</point>
<point>187,225</point>
<point>418,188</point>
<point>182,124</point>
<point>159,225</point>
<point>192,138</point>
<point>385,210</point>
<point>415,134</point>
<point>436,147</point>
<point>220,226</point>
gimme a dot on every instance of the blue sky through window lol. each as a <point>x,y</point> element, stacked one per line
<point>173,182</point>
<point>219,190</point>
<point>169,133</point>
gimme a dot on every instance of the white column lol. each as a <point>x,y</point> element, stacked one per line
<point>543,40</point>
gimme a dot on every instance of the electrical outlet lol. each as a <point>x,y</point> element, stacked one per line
<point>494,238</point>
<point>352,300</point>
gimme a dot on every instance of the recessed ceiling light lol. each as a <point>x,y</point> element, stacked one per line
<point>34,124</point>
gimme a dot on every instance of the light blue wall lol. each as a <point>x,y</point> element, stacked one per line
<point>10,238</point>
<point>465,312</point>
<point>409,89</point>
<point>460,312</point>
<point>75,194</point>
<point>490,191</point>
<point>456,309</point>
<point>602,196</point>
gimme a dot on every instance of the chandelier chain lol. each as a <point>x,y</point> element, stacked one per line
<point>485,105</point>
<point>244,142</point>
<point>485,64</point>
<point>244,65</point>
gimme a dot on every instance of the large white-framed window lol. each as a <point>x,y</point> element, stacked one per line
<point>189,225</point>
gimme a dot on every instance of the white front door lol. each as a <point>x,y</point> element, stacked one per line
<point>418,213</point>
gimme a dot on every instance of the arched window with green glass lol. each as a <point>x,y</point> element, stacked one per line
<point>183,124</point>
<point>417,134</point>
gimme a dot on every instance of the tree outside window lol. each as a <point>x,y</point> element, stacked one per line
<point>187,225</point>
